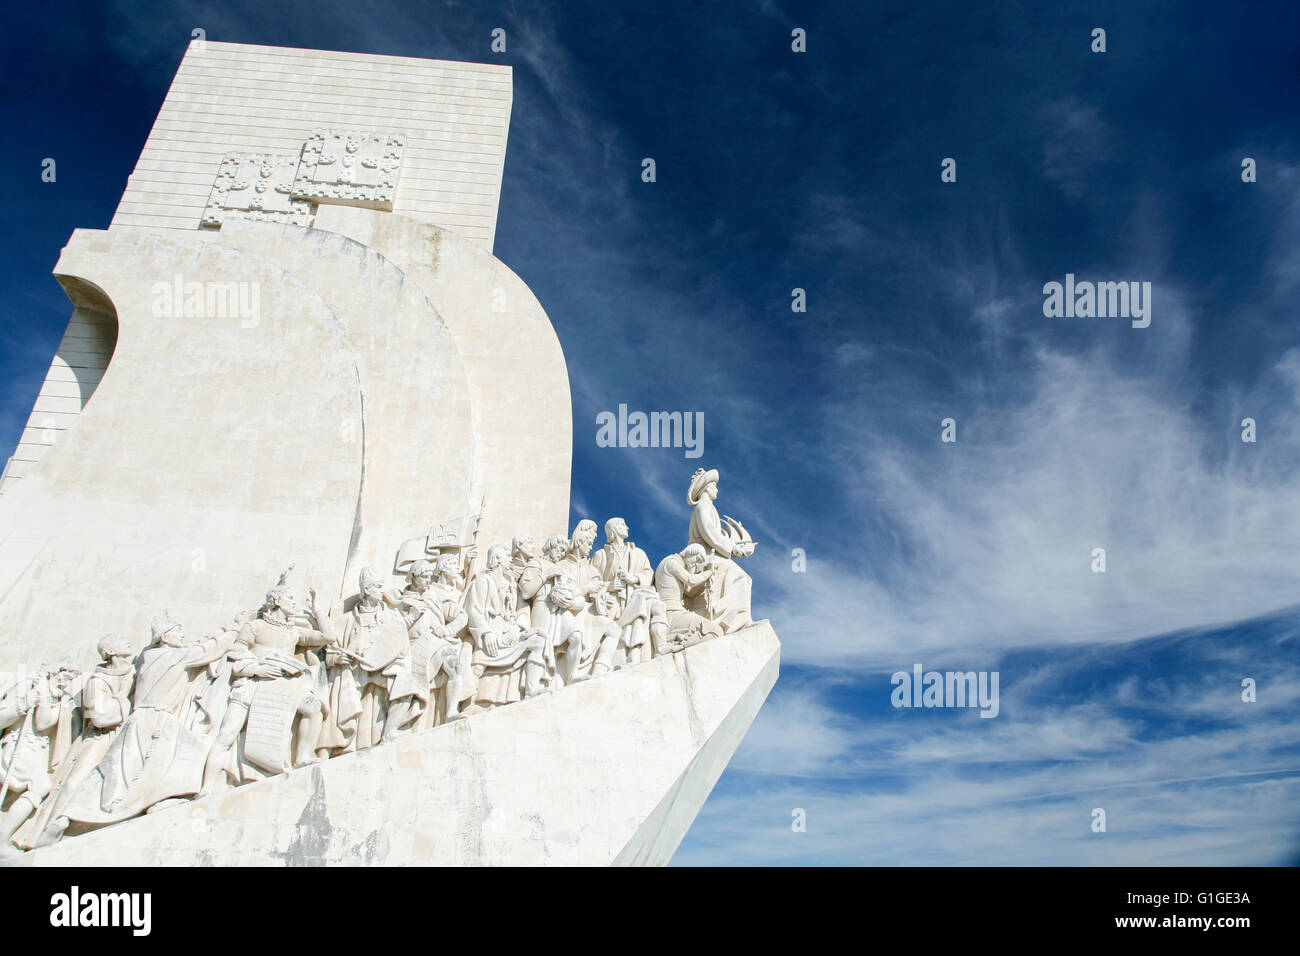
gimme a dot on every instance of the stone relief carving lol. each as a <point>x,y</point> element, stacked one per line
<point>37,713</point>
<point>283,686</point>
<point>256,186</point>
<point>350,168</point>
<point>435,616</point>
<point>346,167</point>
<point>642,613</point>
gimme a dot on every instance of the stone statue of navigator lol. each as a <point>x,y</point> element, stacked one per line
<point>728,594</point>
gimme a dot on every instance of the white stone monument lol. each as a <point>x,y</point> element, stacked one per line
<point>294,349</point>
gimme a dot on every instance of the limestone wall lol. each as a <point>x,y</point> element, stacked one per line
<point>79,364</point>
<point>231,96</point>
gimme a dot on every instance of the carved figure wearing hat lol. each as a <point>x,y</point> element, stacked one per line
<point>725,541</point>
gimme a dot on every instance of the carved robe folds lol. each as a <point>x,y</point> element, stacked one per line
<point>502,650</point>
<point>273,702</point>
<point>359,697</point>
<point>34,749</point>
<point>600,635</point>
<point>106,705</point>
<point>440,661</point>
<point>154,756</point>
<point>727,598</point>
<point>628,575</point>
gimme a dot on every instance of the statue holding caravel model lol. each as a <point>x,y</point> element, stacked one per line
<point>285,686</point>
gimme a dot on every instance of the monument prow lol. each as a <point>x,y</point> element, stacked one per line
<point>608,772</point>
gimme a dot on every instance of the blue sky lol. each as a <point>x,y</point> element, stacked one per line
<point>820,170</point>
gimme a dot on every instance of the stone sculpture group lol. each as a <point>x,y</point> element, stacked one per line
<point>284,686</point>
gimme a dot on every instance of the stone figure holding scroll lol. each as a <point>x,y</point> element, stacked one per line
<point>279,692</point>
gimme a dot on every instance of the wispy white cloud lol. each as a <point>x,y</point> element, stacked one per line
<point>948,820</point>
<point>951,788</point>
<point>1002,525</point>
<point>797,734</point>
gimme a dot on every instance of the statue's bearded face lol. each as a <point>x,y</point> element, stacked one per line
<point>583,541</point>
<point>712,491</point>
<point>557,550</point>
<point>527,547</point>
<point>287,603</point>
<point>423,580</point>
<point>620,528</point>
<point>174,637</point>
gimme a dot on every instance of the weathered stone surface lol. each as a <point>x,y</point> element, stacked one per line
<point>518,379</point>
<point>454,119</point>
<point>610,771</point>
<point>289,436</point>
